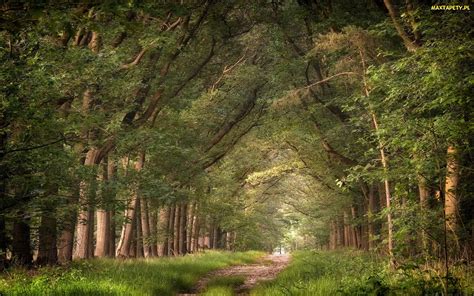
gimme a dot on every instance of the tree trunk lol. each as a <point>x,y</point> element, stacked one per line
<point>346,228</point>
<point>83,225</point>
<point>47,249</point>
<point>332,235</point>
<point>189,227</point>
<point>145,222</point>
<point>21,249</point>
<point>409,44</point>
<point>123,248</point>
<point>66,243</point>
<point>424,194</point>
<point>153,233</point>
<point>163,221</point>
<point>195,231</point>
<point>138,237</point>
<point>356,230</point>
<point>182,229</point>
<point>103,233</point>
<point>176,233</point>
<point>3,244</point>
<point>451,204</point>
<point>371,212</point>
<point>388,196</point>
<point>104,241</point>
<point>171,233</point>
<point>111,252</point>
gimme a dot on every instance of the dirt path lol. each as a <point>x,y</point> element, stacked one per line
<point>265,269</point>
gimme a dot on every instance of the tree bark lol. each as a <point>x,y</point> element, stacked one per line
<point>451,203</point>
<point>182,229</point>
<point>346,228</point>
<point>21,249</point>
<point>163,221</point>
<point>138,237</point>
<point>3,243</point>
<point>171,234</point>
<point>111,252</point>
<point>424,194</point>
<point>189,227</point>
<point>195,231</point>
<point>123,248</point>
<point>103,218</point>
<point>47,249</point>
<point>177,212</point>
<point>409,44</point>
<point>145,223</point>
<point>372,210</point>
<point>153,216</point>
<point>83,228</point>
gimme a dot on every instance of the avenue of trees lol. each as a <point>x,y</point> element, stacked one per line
<point>160,128</point>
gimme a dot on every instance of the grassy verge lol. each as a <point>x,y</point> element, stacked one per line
<point>162,276</point>
<point>223,286</point>
<point>356,273</point>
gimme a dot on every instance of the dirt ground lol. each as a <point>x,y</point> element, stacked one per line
<point>265,269</point>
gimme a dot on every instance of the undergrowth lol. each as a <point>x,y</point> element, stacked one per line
<point>160,276</point>
<point>356,273</point>
<point>223,286</point>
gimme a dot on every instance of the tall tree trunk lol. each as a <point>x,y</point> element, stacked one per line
<point>153,233</point>
<point>66,242</point>
<point>346,228</point>
<point>177,212</point>
<point>21,249</point>
<point>388,200</point>
<point>451,203</point>
<point>145,223</point>
<point>424,194</point>
<point>138,237</point>
<point>171,233</point>
<point>189,227</point>
<point>47,249</point>
<point>409,44</point>
<point>123,248</point>
<point>340,232</point>
<point>111,252</point>
<point>3,243</point>
<point>356,230</point>
<point>83,225</point>
<point>103,233</point>
<point>163,221</point>
<point>102,248</point>
<point>182,229</point>
<point>371,212</point>
<point>195,231</point>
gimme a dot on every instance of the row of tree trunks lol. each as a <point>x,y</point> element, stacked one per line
<point>356,226</point>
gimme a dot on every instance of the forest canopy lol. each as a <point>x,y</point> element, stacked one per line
<point>160,128</point>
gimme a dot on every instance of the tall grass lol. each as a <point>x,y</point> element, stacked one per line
<point>161,276</point>
<point>223,286</point>
<point>356,273</point>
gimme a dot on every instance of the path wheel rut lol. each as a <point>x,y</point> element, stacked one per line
<point>266,269</point>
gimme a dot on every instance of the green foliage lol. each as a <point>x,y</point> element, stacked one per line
<point>163,276</point>
<point>356,273</point>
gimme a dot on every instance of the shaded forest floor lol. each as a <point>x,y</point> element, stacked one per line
<point>159,276</point>
<point>343,272</point>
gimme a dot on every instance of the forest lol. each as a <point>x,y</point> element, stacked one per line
<point>146,144</point>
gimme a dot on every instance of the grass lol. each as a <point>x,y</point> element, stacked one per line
<point>357,273</point>
<point>223,286</point>
<point>161,276</point>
